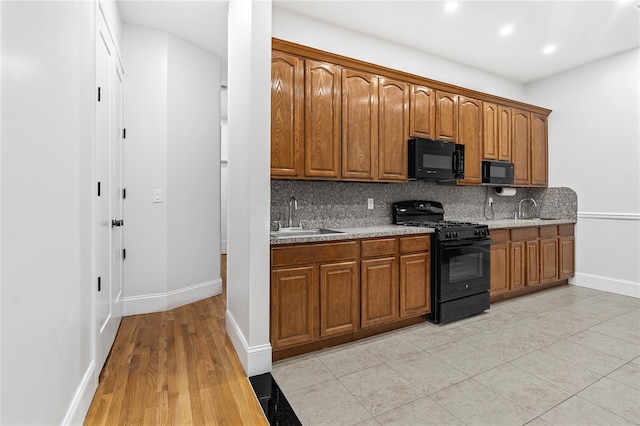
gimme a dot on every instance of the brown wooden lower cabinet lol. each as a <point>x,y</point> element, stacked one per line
<point>525,258</point>
<point>415,291</point>
<point>500,261</point>
<point>295,288</point>
<point>379,291</point>
<point>566,252</point>
<point>340,291</point>
<point>338,298</point>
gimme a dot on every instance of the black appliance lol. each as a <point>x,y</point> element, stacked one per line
<point>497,173</point>
<point>460,260</point>
<point>435,160</point>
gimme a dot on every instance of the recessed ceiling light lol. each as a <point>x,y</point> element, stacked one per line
<point>506,30</point>
<point>549,49</point>
<point>451,6</point>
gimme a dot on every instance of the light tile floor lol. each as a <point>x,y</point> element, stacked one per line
<point>565,356</point>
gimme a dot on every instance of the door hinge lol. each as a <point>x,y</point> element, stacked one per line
<point>124,192</point>
<point>98,189</point>
<point>98,94</point>
<point>124,133</point>
<point>99,284</point>
<point>124,254</point>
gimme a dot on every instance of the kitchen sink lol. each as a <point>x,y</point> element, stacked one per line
<point>540,218</point>
<point>298,232</point>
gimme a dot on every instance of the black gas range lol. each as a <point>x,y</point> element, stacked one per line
<point>460,261</point>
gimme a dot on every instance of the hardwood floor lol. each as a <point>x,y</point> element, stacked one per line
<point>176,367</point>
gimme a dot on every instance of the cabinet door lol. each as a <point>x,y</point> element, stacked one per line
<point>359,125</point>
<point>504,133</point>
<point>322,120</point>
<point>393,131</point>
<point>379,298</point>
<point>470,135</point>
<point>566,257</point>
<point>517,265</point>
<point>497,132</point>
<point>446,116</point>
<point>422,122</point>
<point>287,114</point>
<point>339,300</point>
<point>499,268</point>
<point>415,290</point>
<point>539,175</point>
<point>520,147</point>
<point>490,126</point>
<point>533,262</point>
<point>294,312</point>
<point>548,260</point>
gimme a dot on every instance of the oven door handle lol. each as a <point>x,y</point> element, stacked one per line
<point>467,243</point>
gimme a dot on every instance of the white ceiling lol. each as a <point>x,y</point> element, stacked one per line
<point>581,31</point>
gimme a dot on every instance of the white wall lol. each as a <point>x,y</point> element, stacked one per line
<point>300,29</point>
<point>594,148</point>
<point>193,175</point>
<point>172,115</point>
<point>249,183</point>
<point>145,160</point>
<point>47,84</point>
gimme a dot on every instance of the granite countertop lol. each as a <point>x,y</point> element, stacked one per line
<point>390,230</point>
<point>354,233</point>
<point>521,223</point>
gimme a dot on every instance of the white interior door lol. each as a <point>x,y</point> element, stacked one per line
<point>108,164</point>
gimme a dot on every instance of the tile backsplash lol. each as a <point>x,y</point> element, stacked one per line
<point>344,204</point>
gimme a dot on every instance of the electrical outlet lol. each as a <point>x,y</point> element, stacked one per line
<point>370,203</point>
<point>490,201</point>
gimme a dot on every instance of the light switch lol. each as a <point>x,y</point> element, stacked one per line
<point>157,196</point>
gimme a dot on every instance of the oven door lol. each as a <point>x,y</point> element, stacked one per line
<point>464,269</point>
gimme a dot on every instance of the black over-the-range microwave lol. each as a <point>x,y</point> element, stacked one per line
<point>435,160</point>
<point>497,173</point>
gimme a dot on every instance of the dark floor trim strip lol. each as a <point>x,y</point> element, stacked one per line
<point>273,402</point>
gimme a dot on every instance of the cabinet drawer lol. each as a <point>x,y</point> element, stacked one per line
<point>313,253</point>
<point>378,247</point>
<point>566,230</point>
<point>414,244</point>
<point>548,231</point>
<point>523,234</point>
<point>499,235</point>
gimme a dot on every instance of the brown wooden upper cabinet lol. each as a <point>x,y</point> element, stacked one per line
<point>322,120</point>
<point>520,143</point>
<point>336,118</point>
<point>375,127</point>
<point>538,152</point>
<point>287,114</point>
<point>497,132</point>
<point>446,116</point>
<point>422,122</point>
<point>529,148</point>
<point>359,125</point>
<point>393,129</point>
<point>305,117</point>
<point>470,135</point>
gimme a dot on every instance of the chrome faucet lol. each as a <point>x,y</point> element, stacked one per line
<point>293,205</point>
<point>520,206</point>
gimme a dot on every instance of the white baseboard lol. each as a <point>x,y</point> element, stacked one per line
<point>223,247</point>
<point>255,360</point>
<point>148,303</point>
<point>81,402</point>
<point>612,285</point>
